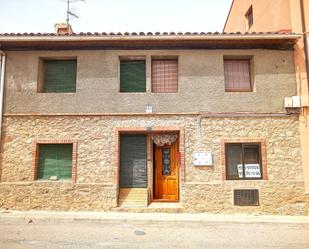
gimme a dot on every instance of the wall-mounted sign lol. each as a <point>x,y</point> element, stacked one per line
<point>240,171</point>
<point>251,170</point>
<point>202,159</point>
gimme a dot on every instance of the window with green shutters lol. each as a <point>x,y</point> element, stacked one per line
<point>133,161</point>
<point>55,160</point>
<point>59,76</point>
<point>133,76</point>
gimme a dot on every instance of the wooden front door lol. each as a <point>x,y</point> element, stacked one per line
<point>166,173</point>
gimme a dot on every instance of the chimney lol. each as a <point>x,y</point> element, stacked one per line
<point>63,29</point>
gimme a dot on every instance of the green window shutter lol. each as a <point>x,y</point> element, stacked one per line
<point>60,76</point>
<point>132,76</point>
<point>133,161</point>
<point>55,160</point>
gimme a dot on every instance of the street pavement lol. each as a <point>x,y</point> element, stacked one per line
<point>68,230</point>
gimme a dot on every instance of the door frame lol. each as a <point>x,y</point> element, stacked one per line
<point>148,131</point>
<point>154,173</point>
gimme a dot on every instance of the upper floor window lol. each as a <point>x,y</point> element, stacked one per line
<point>249,17</point>
<point>237,75</point>
<point>243,161</point>
<point>164,75</point>
<point>57,76</point>
<point>133,75</point>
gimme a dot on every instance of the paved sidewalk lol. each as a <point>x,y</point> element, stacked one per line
<point>120,217</point>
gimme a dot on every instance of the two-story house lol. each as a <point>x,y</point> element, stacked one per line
<point>189,122</point>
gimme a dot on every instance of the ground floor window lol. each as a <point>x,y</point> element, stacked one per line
<point>54,161</point>
<point>133,161</point>
<point>243,161</point>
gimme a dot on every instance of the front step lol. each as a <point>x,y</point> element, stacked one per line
<point>154,207</point>
<point>135,209</point>
<point>133,197</point>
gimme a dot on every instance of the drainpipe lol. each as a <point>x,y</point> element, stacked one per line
<point>305,38</point>
<point>2,67</point>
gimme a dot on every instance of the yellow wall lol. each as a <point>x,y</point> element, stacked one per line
<point>268,15</point>
<point>300,66</point>
<point>295,15</point>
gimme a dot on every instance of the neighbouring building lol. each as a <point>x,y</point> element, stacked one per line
<point>172,122</point>
<point>281,16</point>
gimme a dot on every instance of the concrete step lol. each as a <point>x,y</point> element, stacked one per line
<point>131,197</point>
<point>155,207</point>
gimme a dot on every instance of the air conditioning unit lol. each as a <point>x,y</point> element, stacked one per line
<point>292,102</point>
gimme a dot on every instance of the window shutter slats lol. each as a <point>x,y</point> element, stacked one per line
<point>132,76</point>
<point>133,161</point>
<point>237,75</point>
<point>55,160</point>
<point>164,76</point>
<point>60,76</point>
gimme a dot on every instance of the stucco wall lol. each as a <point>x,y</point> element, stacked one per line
<point>201,83</point>
<point>274,15</point>
<point>201,188</point>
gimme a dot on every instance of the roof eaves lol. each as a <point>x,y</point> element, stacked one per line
<point>148,35</point>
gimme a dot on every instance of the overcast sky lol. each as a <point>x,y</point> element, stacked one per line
<point>115,15</point>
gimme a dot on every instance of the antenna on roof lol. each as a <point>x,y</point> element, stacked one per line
<point>69,11</point>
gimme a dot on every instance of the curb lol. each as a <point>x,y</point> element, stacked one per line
<point>144,218</point>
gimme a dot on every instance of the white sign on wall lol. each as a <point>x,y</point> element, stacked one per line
<point>251,170</point>
<point>202,159</point>
<point>240,171</point>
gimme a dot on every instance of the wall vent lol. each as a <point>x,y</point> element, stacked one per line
<point>246,197</point>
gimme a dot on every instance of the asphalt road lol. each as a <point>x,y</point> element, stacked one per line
<point>82,234</point>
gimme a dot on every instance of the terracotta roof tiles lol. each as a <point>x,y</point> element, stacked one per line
<point>147,34</point>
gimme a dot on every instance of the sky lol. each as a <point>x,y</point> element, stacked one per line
<point>115,15</point>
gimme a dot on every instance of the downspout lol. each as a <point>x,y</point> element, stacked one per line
<point>305,38</point>
<point>2,67</point>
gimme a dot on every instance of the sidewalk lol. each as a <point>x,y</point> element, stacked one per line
<point>121,217</point>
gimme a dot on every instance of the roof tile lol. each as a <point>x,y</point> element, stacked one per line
<point>172,33</point>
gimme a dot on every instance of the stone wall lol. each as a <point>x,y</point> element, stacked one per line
<point>202,189</point>
<point>57,196</point>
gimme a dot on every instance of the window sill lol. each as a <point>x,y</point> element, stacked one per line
<point>239,91</point>
<point>245,180</point>
<point>61,180</point>
<point>164,92</point>
<point>57,92</point>
<point>132,92</point>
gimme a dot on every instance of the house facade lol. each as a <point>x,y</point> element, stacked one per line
<point>281,16</point>
<point>151,122</point>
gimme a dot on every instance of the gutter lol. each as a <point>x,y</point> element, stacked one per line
<point>213,37</point>
<point>305,39</point>
<point>2,71</point>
